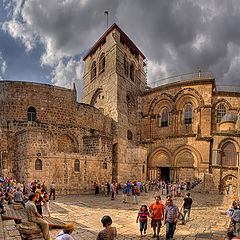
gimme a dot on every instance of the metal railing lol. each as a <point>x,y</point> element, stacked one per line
<point>188,76</point>
<point>227,88</point>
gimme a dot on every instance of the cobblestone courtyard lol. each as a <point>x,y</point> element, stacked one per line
<point>208,216</point>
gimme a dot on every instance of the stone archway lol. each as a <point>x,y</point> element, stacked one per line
<point>186,162</point>
<point>185,166</point>
<point>228,184</point>
<point>160,165</point>
<point>66,144</point>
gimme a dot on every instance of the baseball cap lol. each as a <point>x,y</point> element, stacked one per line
<point>69,226</point>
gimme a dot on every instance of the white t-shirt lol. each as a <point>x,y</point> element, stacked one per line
<point>63,236</point>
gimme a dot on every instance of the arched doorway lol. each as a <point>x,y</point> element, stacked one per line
<point>185,171</point>
<point>160,166</point>
<point>228,184</point>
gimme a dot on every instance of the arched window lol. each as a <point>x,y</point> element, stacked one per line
<point>77,165</point>
<point>221,111</point>
<point>38,164</point>
<point>125,65</point>
<point>229,155</point>
<point>132,72</point>
<point>93,70</point>
<point>143,169</point>
<point>102,63</point>
<point>32,115</point>
<point>129,135</point>
<point>188,115</point>
<point>105,164</point>
<point>164,118</point>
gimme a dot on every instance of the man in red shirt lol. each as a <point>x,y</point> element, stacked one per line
<point>156,213</point>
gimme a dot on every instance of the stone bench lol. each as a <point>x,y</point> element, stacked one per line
<point>29,230</point>
<point>17,206</point>
<point>237,229</point>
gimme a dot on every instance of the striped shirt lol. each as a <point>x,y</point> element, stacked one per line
<point>171,212</point>
<point>143,216</point>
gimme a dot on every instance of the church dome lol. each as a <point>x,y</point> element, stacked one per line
<point>229,117</point>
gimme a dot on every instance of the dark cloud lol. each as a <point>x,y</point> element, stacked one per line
<point>176,36</point>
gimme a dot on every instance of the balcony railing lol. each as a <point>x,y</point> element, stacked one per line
<point>188,76</point>
<point>228,88</point>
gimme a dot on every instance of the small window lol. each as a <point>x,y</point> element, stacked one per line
<point>38,164</point>
<point>129,135</point>
<point>132,72</point>
<point>221,111</point>
<point>125,65</point>
<point>188,115</point>
<point>105,164</point>
<point>143,169</point>
<point>102,63</point>
<point>164,118</point>
<point>77,165</point>
<point>93,70</point>
<point>32,115</point>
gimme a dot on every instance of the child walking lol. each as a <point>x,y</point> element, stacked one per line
<point>142,216</point>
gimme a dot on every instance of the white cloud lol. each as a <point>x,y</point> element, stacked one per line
<point>3,65</point>
<point>64,74</point>
<point>65,28</point>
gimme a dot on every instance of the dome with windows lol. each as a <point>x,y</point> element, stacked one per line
<point>229,117</point>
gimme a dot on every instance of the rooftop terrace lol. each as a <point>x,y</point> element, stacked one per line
<point>193,76</point>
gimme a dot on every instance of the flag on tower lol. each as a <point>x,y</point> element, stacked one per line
<point>106,13</point>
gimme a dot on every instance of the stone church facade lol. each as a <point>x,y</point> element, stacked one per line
<point>122,130</point>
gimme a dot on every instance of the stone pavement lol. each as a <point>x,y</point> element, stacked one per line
<point>208,216</point>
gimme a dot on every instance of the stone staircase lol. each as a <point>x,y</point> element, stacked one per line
<point>206,185</point>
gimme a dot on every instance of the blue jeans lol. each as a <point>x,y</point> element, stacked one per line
<point>170,229</point>
<point>186,212</point>
<point>143,226</point>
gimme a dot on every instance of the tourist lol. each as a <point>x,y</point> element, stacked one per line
<point>187,204</point>
<point>52,190</point>
<point>236,217</point>
<point>156,213</point>
<point>34,216</point>
<point>2,207</point>
<point>142,216</point>
<point>9,196</point>
<point>102,189</point>
<point>171,215</point>
<point>135,194</point>
<point>38,202</point>
<point>18,197</point>
<point>112,191</point>
<point>46,203</point>
<point>67,231</point>
<point>96,187</point>
<point>109,233</point>
<point>125,190</point>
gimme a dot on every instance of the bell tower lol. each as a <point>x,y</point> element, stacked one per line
<point>113,81</point>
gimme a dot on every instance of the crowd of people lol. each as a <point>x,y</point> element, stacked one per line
<point>134,189</point>
<point>35,200</point>
<point>234,219</point>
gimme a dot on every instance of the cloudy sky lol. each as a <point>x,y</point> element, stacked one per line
<point>44,40</point>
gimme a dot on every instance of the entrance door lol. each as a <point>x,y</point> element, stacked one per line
<point>229,189</point>
<point>164,173</point>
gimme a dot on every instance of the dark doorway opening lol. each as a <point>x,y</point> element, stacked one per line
<point>165,173</point>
